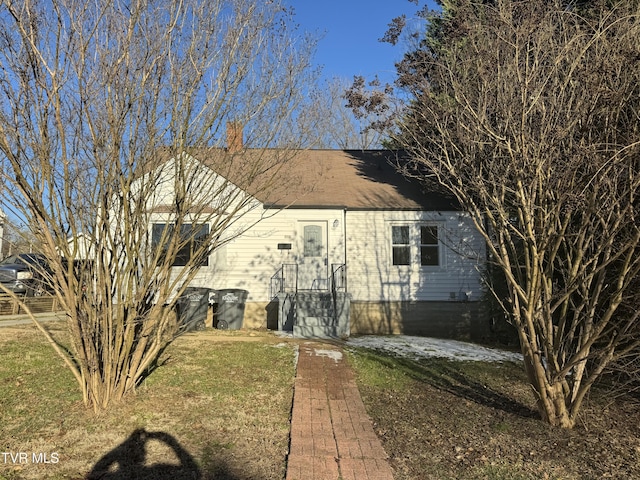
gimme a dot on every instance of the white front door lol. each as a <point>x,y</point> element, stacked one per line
<point>312,255</point>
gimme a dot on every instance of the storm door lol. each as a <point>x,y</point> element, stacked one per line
<point>312,256</point>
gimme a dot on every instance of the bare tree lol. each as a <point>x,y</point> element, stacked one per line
<point>528,112</point>
<point>16,239</point>
<point>328,113</point>
<point>112,122</point>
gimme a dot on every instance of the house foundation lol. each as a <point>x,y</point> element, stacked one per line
<point>455,320</point>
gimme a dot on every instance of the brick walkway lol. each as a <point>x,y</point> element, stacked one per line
<point>331,435</point>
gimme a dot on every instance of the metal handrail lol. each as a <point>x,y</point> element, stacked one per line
<point>284,280</point>
<point>275,283</point>
<point>338,280</point>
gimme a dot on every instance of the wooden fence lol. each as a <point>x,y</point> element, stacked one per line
<point>43,304</point>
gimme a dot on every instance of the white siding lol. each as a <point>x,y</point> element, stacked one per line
<point>251,259</point>
<point>373,277</point>
<point>251,256</point>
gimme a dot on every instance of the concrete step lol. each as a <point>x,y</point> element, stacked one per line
<point>315,304</point>
<point>308,331</point>
<point>316,321</point>
<point>317,312</point>
<point>313,294</point>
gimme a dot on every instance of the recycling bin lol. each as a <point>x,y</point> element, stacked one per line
<point>193,307</point>
<point>230,308</point>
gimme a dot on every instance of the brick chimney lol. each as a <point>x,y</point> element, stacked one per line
<point>234,137</point>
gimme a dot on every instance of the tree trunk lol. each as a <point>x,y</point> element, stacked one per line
<point>551,397</point>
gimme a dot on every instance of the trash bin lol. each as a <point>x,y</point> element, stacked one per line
<point>230,311</point>
<point>193,306</point>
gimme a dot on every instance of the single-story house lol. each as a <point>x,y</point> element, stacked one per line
<point>348,232</point>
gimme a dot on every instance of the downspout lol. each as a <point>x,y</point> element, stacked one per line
<point>344,230</point>
<point>346,300</point>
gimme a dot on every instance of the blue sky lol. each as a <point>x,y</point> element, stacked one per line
<point>350,30</point>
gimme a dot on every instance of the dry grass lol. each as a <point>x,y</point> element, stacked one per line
<point>472,420</point>
<point>218,406</point>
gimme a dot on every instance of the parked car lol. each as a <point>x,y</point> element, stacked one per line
<point>26,274</point>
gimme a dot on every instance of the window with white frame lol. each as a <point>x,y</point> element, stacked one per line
<point>429,246</point>
<point>401,246</point>
<point>416,244</point>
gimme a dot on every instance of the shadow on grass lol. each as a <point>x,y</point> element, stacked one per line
<point>450,377</point>
<point>129,461</point>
